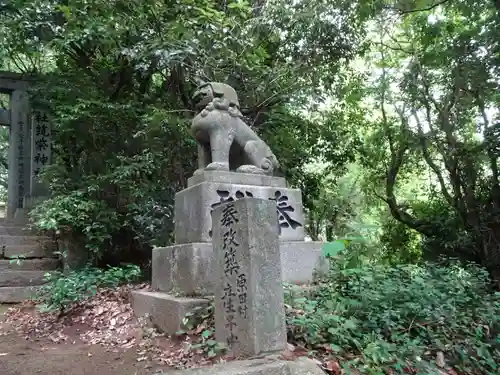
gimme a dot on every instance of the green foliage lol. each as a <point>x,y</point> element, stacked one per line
<point>117,80</point>
<point>63,291</point>
<point>76,212</point>
<point>401,316</point>
<point>401,243</point>
<point>200,321</point>
<point>433,119</point>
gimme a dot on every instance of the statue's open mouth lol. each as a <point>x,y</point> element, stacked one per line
<point>201,98</point>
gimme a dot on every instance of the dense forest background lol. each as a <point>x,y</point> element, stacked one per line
<point>385,114</point>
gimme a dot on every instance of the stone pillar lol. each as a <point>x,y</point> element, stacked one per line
<point>18,177</point>
<point>40,151</point>
<point>249,300</point>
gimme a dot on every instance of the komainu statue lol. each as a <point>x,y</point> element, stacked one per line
<point>225,141</point>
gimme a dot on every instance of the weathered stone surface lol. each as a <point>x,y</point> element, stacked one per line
<point>261,366</point>
<point>21,215</point>
<point>21,278</point>
<point>302,261</point>
<point>237,179</point>
<point>187,269</point>
<point>165,311</point>
<point>46,264</point>
<point>183,269</point>
<point>16,294</point>
<point>23,240</point>
<point>249,301</point>
<point>40,156</point>
<point>305,366</point>
<point>225,141</point>
<point>14,230</point>
<point>18,179</point>
<point>27,251</point>
<point>193,206</point>
<point>4,117</point>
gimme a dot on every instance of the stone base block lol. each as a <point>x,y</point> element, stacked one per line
<point>17,294</point>
<point>14,230</point>
<point>194,205</point>
<point>166,312</point>
<point>302,261</point>
<point>236,179</point>
<point>21,278</point>
<point>28,251</point>
<point>23,240</point>
<point>261,366</point>
<point>187,269</point>
<point>183,269</point>
<point>46,264</point>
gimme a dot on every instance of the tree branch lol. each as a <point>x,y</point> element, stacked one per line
<point>430,7</point>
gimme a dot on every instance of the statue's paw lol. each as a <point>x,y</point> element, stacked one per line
<point>250,169</point>
<point>198,171</point>
<point>217,166</point>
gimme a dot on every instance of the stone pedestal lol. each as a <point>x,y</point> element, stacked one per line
<point>184,272</point>
<point>207,190</point>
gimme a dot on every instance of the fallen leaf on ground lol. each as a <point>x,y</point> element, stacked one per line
<point>333,367</point>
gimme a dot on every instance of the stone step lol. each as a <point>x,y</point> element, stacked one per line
<point>9,240</point>
<point>27,251</point>
<point>14,230</point>
<point>22,278</point>
<point>165,311</point>
<point>14,222</point>
<point>46,264</point>
<point>17,294</point>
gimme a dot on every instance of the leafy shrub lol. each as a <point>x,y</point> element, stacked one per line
<point>77,213</point>
<point>62,291</point>
<point>401,316</point>
<point>401,243</point>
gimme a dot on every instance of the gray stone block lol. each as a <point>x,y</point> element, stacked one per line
<point>17,294</point>
<point>301,261</point>
<point>21,278</point>
<point>14,230</point>
<point>249,299</point>
<point>46,264</point>
<point>27,251</point>
<point>304,366</point>
<point>166,312</point>
<point>236,179</point>
<point>183,269</point>
<point>23,240</point>
<point>187,269</point>
<point>260,366</point>
<point>193,206</point>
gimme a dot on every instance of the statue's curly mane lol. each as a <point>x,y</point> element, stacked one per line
<point>223,104</point>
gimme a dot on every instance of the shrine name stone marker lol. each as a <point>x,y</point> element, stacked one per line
<point>249,300</point>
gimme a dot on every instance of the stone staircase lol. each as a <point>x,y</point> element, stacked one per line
<point>24,260</point>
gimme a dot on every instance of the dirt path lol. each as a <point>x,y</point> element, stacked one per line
<point>19,356</point>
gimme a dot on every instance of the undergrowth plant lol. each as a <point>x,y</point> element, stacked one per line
<point>400,317</point>
<point>62,291</point>
<point>200,322</point>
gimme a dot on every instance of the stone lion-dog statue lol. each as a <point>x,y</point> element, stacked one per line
<point>225,141</point>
